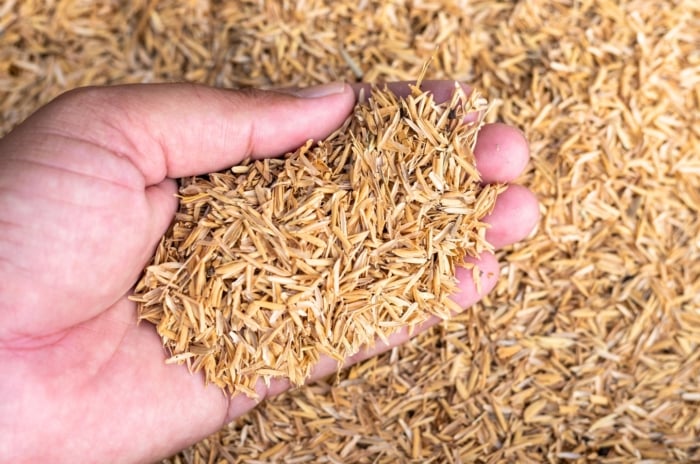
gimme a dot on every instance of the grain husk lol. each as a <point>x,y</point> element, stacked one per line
<point>586,351</point>
<point>274,263</point>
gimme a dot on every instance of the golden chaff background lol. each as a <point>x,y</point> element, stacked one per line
<point>588,347</point>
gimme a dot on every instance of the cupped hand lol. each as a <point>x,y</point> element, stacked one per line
<point>86,191</point>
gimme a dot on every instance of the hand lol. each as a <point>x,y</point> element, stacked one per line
<point>86,191</point>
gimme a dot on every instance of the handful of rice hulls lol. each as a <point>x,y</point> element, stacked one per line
<point>273,263</point>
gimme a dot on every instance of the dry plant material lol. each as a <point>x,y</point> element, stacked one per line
<point>587,350</point>
<point>276,262</point>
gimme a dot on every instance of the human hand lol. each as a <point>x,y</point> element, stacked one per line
<point>87,190</point>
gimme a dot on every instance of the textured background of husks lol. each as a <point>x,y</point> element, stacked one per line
<point>587,349</point>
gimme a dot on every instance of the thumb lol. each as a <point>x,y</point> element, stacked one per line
<point>176,130</point>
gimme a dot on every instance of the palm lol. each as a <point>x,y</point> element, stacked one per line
<point>87,207</point>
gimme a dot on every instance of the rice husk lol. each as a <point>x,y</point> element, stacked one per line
<point>586,351</point>
<point>273,263</point>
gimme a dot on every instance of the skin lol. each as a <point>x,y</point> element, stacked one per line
<point>86,191</point>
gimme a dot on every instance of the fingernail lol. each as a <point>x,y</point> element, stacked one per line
<point>319,91</point>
